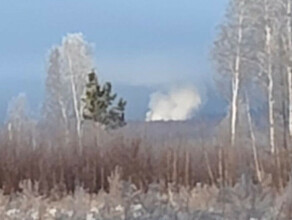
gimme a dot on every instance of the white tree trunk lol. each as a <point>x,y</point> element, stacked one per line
<point>289,76</point>
<point>75,103</point>
<point>289,68</point>
<point>270,88</point>
<point>235,91</point>
<point>253,142</point>
<point>271,113</point>
<point>235,82</point>
<point>63,111</point>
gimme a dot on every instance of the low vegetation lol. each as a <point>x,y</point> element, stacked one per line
<point>115,177</point>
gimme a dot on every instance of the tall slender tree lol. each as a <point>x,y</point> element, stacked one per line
<point>56,100</point>
<point>267,28</point>
<point>69,64</point>
<point>286,38</point>
<point>230,52</point>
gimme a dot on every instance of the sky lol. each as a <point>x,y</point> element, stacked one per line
<point>144,43</point>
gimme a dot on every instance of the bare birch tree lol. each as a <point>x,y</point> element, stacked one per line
<point>21,128</point>
<point>79,61</point>
<point>267,28</point>
<point>16,114</point>
<point>68,68</point>
<point>286,38</point>
<point>56,100</point>
<point>230,50</point>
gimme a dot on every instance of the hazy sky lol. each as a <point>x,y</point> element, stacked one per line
<point>137,42</point>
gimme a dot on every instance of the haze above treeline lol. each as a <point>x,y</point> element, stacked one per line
<point>141,48</point>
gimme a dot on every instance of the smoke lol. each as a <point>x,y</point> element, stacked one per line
<point>178,104</point>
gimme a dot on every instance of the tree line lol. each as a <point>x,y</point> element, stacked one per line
<point>253,59</point>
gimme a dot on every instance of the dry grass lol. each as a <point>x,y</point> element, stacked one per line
<point>124,200</point>
<point>114,175</point>
<point>60,166</point>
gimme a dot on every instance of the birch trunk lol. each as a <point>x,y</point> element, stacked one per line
<point>268,36</point>
<point>75,103</point>
<point>253,140</point>
<point>289,68</point>
<point>271,110</point>
<point>235,81</point>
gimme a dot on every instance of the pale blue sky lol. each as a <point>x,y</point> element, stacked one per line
<point>137,42</point>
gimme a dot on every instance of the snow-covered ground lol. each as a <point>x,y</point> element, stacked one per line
<point>124,201</point>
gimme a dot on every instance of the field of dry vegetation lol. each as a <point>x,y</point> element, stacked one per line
<point>118,177</point>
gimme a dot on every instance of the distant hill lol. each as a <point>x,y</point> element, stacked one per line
<point>137,98</point>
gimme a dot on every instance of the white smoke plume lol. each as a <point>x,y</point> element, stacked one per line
<point>177,105</point>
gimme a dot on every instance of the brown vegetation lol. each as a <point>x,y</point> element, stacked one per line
<point>57,165</point>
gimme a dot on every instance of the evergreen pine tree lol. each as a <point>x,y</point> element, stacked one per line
<point>98,104</point>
